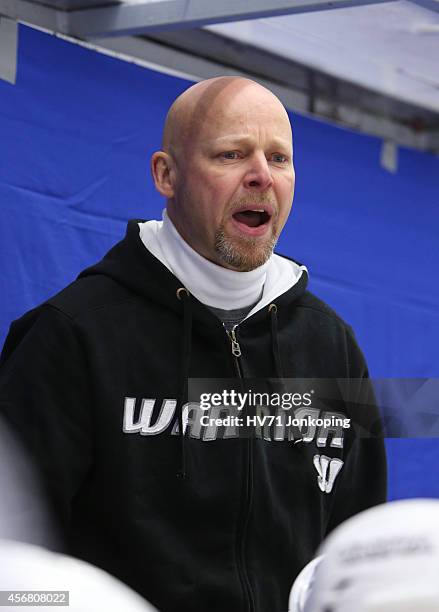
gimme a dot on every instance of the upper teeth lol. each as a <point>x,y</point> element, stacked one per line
<point>257,210</point>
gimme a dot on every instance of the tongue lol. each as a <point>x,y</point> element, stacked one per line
<point>250,218</point>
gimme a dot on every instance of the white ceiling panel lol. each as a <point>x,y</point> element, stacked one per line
<point>390,48</point>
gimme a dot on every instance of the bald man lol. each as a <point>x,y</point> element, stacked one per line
<point>227,151</point>
<point>149,483</point>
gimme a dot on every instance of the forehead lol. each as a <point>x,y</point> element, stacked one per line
<point>241,110</point>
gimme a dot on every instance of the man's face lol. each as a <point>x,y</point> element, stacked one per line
<point>234,179</point>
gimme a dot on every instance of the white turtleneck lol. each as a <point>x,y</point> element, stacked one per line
<point>214,285</point>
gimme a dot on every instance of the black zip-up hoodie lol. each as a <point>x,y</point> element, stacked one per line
<point>94,381</point>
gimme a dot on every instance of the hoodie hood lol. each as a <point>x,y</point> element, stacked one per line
<point>132,265</point>
<point>212,284</point>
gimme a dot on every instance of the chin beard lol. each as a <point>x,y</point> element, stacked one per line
<point>243,254</point>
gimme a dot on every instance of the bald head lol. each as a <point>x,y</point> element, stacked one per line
<point>226,170</point>
<point>207,100</point>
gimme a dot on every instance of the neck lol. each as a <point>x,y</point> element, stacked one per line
<point>210,283</point>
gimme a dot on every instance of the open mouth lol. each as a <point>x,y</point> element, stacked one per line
<point>252,217</point>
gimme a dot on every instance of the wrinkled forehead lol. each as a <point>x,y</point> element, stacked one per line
<point>238,106</point>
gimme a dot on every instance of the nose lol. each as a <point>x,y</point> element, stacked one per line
<point>258,175</point>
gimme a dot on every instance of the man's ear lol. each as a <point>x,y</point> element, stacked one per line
<point>162,169</point>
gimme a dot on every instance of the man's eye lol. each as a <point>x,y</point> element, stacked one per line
<point>229,155</point>
<point>279,158</point>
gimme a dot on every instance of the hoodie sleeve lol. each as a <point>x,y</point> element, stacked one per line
<point>364,477</point>
<point>44,396</point>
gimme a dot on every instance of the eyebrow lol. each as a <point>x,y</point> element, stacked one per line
<point>234,140</point>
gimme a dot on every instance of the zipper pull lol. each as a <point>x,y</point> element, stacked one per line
<point>236,349</point>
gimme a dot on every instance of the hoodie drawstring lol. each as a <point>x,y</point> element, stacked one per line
<point>272,309</point>
<point>183,295</point>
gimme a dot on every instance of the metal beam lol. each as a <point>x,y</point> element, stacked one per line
<point>8,49</point>
<point>35,14</point>
<point>154,15</point>
<point>105,18</point>
<point>431,5</point>
<point>75,5</point>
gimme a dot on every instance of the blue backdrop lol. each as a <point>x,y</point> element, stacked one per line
<point>76,134</point>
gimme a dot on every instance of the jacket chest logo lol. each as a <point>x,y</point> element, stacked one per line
<point>328,469</point>
<point>146,421</point>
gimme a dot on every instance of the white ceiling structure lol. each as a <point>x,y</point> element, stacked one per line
<point>390,48</point>
<point>372,65</point>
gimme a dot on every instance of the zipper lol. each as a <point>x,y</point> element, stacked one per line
<point>248,492</point>
<point>236,350</point>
